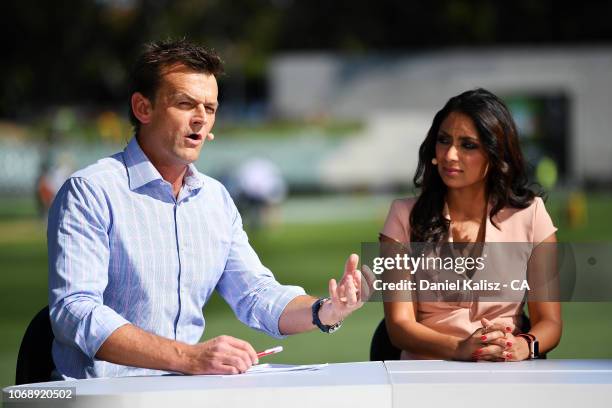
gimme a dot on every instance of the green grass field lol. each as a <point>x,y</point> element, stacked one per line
<point>306,250</point>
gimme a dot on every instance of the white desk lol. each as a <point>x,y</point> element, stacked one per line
<point>541,384</point>
<point>341,385</point>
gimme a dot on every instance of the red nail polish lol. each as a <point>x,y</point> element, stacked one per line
<point>483,338</point>
<point>478,351</point>
<point>508,328</point>
<point>509,355</point>
<point>509,343</point>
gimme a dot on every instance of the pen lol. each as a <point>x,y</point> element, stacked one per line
<point>267,352</point>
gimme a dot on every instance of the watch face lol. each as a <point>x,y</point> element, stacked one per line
<point>334,327</point>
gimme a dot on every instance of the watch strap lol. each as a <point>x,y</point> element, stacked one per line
<point>534,346</point>
<point>316,306</point>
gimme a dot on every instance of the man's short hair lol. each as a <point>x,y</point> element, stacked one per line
<point>147,71</point>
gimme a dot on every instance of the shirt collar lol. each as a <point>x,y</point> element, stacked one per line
<point>446,213</point>
<point>193,179</point>
<point>141,171</point>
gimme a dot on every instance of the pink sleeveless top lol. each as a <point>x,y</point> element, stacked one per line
<point>531,224</point>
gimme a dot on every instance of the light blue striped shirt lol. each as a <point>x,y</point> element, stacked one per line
<point>123,250</point>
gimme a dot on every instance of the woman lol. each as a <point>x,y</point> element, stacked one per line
<point>474,188</point>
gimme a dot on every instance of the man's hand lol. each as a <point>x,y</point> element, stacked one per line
<point>220,355</point>
<point>345,297</point>
<point>130,345</point>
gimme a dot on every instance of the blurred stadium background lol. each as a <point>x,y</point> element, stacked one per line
<point>336,98</point>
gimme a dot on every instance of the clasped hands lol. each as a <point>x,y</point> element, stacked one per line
<point>493,342</point>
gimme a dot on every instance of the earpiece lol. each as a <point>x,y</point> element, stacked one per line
<point>503,167</point>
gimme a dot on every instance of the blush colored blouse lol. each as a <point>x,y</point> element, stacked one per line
<point>461,319</point>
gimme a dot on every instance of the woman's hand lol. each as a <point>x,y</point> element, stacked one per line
<point>480,346</point>
<point>506,348</point>
<point>513,348</point>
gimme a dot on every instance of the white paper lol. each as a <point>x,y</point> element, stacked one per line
<point>282,368</point>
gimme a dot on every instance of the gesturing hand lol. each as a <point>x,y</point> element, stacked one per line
<point>345,296</point>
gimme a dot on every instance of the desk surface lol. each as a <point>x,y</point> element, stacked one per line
<point>528,372</point>
<point>542,383</point>
<point>534,383</point>
<point>363,384</point>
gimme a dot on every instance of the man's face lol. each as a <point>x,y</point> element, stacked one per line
<point>183,114</point>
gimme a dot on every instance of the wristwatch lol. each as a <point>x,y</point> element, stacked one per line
<point>316,306</point>
<point>534,345</point>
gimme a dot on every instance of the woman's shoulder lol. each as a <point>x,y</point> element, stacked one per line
<point>397,225</point>
<point>403,205</point>
<point>524,214</point>
<point>531,224</point>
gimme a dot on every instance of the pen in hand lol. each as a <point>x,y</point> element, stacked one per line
<point>270,351</point>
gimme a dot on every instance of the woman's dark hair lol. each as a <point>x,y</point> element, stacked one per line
<point>146,74</point>
<point>507,182</point>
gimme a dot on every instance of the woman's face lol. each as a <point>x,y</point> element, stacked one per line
<point>462,161</point>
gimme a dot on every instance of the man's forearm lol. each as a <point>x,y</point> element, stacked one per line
<point>297,316</point>
<point>132,346</point>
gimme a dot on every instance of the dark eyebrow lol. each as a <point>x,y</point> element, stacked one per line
<point>178,95</point>
<point>463,137</point>
<point>469,138</point>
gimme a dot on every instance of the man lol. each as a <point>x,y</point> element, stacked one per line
<point>138,241</point>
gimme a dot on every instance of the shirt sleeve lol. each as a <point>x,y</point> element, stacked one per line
<point>542,223</point>
<point>396,224</point>
<point>78,246</point>
<point>251,290</point>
